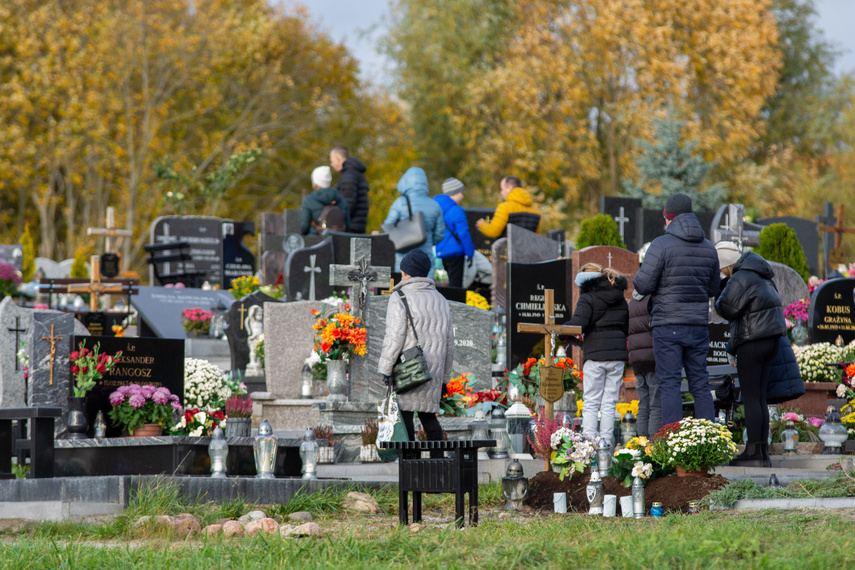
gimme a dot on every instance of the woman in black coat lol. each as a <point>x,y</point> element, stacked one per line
<point>751,303</point>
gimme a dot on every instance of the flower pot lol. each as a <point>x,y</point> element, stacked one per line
<point>238,427</point>
<point>337,380</point>
<point>147,430</point>
<point>76,422</point>
<point>326,454</point>
<point>696,473</point>
<point>368,453</point>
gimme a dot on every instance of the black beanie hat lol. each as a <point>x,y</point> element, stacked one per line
<point>416,264</point>
<point>677,204</point>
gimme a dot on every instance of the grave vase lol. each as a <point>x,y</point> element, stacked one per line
<point>337,380</point>
<point>76,423</point>
<point>238,427</point>
<point>147,430</point>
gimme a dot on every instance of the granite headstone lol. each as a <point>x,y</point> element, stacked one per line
<point>52,269</point>
<point>832,310</point>
<point>499,287</point>
<point>280,235</point>
<point>307,272</point>
<point>719,336</point>
<point>481,242</point>
<point>13,255</point>
<point>791,286</point>
<point>159,308</point>
<point>618,258</point>
<point>206,244</point>
<point>629,216</point>
<point>236,330</point>
<point>382,250</point>
<point>238,260</point>
<point>15,326</point>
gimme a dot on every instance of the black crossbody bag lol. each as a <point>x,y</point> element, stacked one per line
<point>411,371</point>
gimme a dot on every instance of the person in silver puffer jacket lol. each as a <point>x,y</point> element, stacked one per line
<point>432,321</point>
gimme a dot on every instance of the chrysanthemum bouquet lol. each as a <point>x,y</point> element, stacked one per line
<point>573,451</point>
<point>339,335</point>
<point>634,461</point>
<point>206,386</point>
<point>693,444</point>
<point>813,360</point>
<point>136,405</point>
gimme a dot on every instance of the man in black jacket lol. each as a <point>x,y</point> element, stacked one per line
<point>352,185</point>
<point>680,272</point>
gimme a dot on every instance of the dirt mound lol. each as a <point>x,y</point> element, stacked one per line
<point>673,492</point>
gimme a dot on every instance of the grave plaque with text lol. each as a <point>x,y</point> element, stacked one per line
<point>832,312</point>
<point>719,336</point>
<point>238,260</point>
<point>206,243</point>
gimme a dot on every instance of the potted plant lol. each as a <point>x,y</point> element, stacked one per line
<point>143,410</point>
<point>368,451</point>
<point>692,446</point>
<point>196,321</point>
<point>199,423</point>
<point>87,366</point>
<point>807,428</point>
<point>337,337</point>
<point>10,280</point>
<point>326,451</point>
<point>238,416</point>
<point>566,450</point>
<point>820,379</point>
<point>207,387</point>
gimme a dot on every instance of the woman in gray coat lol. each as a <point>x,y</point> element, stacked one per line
<point>432,321</point>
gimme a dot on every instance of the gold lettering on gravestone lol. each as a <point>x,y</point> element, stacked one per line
<point>551,383</point>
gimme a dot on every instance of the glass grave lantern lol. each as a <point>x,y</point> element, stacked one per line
<point>264,448</point>
<point>832,433</point>
<point>218,450</point>
<point>306,391</point>
<point>480,431</point>
<point>499,432</point>
<point>789,437</point>
<point>604,456</point>
<point>514,487</point>
<point>595,491</point>
<point>628,427</point>
<point>519,419</point>
<point>309,454</point>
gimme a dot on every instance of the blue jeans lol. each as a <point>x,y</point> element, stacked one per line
<point>649,403</point>
<point>678,347</point>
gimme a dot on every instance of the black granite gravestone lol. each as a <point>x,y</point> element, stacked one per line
<point>238,260</point>
<point>832,312</point>
<point>206,243</point>
<point>481,242</point>
<point>236,330</point>
<point>159,308</point>
<point>159,362</point>
<point>307,272</point>
<point>719,336</point>
<point>628,214</point>
<point>526,284</point>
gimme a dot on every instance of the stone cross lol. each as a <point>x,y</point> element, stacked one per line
<point>359,274</point>
<point>311,270</point>
<point>110,232</point>
<point>94,288</point>
<point>52,339</point>
<point>18,330</point>
<point>621,220</point>
<point>610,259</point>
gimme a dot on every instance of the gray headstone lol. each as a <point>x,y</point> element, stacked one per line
<point>499,287</point>
<point>472,349</point>
<point>808,234</point>
<point>15,326</point>
<point>276,243</point>
<point>791,286</point>
<point>205,234</point>
<point>525,246</point>
<point>53,269</point>
<point>159,308</point>
<point>51,389</point>
<point>307,272</point>
<point>361,275</point>
<point>629,216</point>
<point>288,342</point>
<point>382,251</point>
<point>13,255</point>
<point>236,330</point>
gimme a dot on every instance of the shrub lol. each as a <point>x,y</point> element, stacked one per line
<point>29,252</point>
<point>780,243</point>
<point>599,230</point>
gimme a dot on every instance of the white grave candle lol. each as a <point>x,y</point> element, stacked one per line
<point>626,506</point>
<point>609,505</point>
<point>559,502</point>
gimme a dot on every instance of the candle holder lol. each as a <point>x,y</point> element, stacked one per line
<point>309,454</point>
<point>264,448</point>
<point>218,450</point>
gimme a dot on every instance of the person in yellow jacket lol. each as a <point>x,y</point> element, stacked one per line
<point>517,208</point>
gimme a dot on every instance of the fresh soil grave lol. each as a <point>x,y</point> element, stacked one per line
<point>673,492</point>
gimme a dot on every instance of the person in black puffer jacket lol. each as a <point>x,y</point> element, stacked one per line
<point>602,313</point>
<point>352,185</point>
<point>751,303</point>
<point>639,343</point>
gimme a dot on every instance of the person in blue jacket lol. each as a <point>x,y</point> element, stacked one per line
<point>456,247</point>
<point>414,185</point>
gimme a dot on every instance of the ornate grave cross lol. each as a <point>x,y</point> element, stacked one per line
<point>110,231</point>
<point>17,330</point>
<point>52,339</point>
<point>94,287</point>
<point>838,230</point>
<point>621,220</point>
<point>311,269</point>
<point>242,310</point>
<point>359,274</point>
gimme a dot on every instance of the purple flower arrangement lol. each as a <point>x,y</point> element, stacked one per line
<point>10,280</point>
<point>135,405</point>
<point>797,313</point>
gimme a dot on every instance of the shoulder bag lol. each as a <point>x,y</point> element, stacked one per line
<point>411,371</point>
<point>407,232</point>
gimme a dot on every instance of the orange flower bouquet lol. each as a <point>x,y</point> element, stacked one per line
<point>461,400</point>
<point>339,335</point>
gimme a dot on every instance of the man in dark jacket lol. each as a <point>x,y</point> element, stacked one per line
<point>680,272</point>
<point>352,185</point>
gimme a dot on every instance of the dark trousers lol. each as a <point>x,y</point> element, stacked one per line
<point>753,361</point>
<point>678,347</point>
<point>431,425</point>
<point>454,267</point>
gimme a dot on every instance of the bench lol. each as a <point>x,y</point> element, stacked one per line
<point>457,474</point>
<point>39,443</point>
<point>173,252</point>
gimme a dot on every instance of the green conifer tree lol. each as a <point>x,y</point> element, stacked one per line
<point>780,243</point>
<point>599,230</point>
<point>29,251</point>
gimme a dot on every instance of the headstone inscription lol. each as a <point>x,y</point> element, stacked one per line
<point>526,285</point>
<point>629,216</point>
<point>155,361</point>
<point>13,255</point>
<point>238,260</point>
<point>307,272</point>
<point>832,312</point>
<point>206,243</point>
<point>472,349</point>
<point>360,275</point>
<point>236,329</point>
<point>159,308</point>
<point>15,326</point>
<point>719,337</point>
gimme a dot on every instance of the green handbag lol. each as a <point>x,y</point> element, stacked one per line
<point>411,371</point>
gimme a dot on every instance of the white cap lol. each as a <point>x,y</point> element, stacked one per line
<point>322,177</point>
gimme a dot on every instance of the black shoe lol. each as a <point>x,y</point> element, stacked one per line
<point>764,450</point>
<point>751,457</point>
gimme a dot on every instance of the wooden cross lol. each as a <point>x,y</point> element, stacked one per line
<point>837,229</point>
<point>94,287</point>
<point>110,231</point>
<point>52,339</point>
<point>242,311</point>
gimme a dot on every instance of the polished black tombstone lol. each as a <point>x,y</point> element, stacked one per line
<point>832,312</point>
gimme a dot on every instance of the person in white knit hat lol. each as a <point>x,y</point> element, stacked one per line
<point>325,208</point>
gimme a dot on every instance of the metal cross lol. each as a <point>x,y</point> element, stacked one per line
<point>621,219</point>
<point>358,271</point>
<point>311,270</point>
<point>363,276</point>
<point>52,339</point>
<point>17,330</point>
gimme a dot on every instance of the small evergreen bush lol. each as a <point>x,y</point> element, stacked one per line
<point>780,243</point>
<point>599,230</point>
